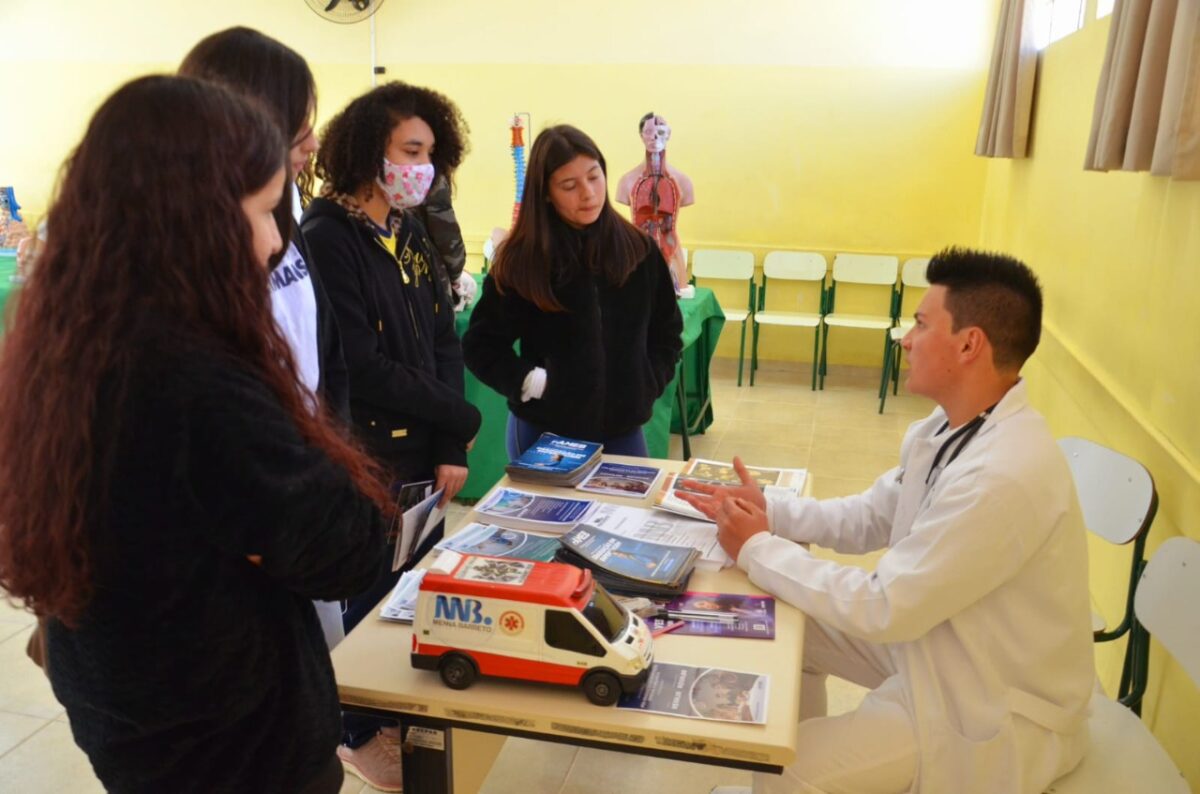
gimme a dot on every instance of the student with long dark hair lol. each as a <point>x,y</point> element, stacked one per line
<point>276,76</point>
<point>162,469</point>
<point>378,158</point>
<point>591,301</point>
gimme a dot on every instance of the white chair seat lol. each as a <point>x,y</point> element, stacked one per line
<point>900,330</point>
<point>796,319</point>
<point>735,315</point>
<point>1123,757</point>
<point>858,321</point>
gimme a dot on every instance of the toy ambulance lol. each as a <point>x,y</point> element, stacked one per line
<point>537,621</point>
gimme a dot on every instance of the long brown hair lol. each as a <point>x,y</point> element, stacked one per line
<point>525,262</point>
<point>147,224</point>
<point>266,70</point>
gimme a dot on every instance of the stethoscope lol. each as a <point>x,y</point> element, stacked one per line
<point>958,440</point>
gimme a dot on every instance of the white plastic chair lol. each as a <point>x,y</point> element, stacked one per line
<point>1123,756</point>
<point>911,275</point>
<point>735,266</point>
<point>869,269</point>
<point>790,266</point>
<point>1119,503</point>
<point>489,253</point>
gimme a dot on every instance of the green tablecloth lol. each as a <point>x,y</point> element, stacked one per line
<point>702,323</point>
<point>8,266</point>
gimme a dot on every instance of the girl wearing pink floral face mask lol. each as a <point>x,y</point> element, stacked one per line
<point>378,159</point>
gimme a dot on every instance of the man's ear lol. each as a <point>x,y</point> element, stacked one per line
<point>973,343</point>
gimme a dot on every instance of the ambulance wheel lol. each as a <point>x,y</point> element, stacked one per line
<point>457,671</point>
<point>602,688</point>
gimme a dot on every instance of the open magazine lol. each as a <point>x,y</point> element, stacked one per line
<point>772,480</point>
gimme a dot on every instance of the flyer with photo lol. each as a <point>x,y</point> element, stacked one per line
<point>702,693</point>
<point>621,479</point>
<point>494,541</point>
<point>523,510</point>
<point>720,615</point>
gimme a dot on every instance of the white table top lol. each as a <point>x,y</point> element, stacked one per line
<point>373,670</point>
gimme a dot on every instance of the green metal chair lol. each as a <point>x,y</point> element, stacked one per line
<point>869,269</point>
<point>790,266</point>
<point>911,275</point>
<point>710,263</point>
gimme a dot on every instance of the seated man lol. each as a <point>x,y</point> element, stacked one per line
<point>973,630</point>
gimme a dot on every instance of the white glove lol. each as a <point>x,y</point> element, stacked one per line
<point>534,386</point>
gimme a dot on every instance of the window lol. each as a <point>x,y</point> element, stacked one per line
<point>565,632</point>
<point>1054,19</point>
<point>1103,8</point>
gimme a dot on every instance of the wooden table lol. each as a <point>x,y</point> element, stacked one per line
<point>374,676</point>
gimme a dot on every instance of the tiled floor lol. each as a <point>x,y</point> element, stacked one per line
<point>836,433</point>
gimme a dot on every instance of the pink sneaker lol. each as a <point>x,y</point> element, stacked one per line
<point>377,762</point>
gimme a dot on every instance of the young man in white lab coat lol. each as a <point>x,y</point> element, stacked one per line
<point>973,630</point>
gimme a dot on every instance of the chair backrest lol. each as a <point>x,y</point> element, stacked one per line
<point>1166,601</point>
<point>712,263</point>
<point>866,268</point>
<point>795,265</point>
<point>1115,491</point>
<point>913,273</point>
<point>489,253</point>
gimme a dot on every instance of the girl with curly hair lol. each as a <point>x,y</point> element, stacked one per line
<point>378,158</point>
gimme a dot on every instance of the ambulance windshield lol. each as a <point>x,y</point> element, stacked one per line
<point>605,614</point>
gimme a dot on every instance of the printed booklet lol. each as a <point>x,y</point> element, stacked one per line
<point>720,615</point>
<point>493,541</point>
<point>555,460</point>
<point>773,481</point>
<point>702,693</point>
<point>625,565</point>
<point>515,509</point>
<point>621,479</point>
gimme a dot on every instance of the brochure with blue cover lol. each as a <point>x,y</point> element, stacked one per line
<point>621,479</point>
<point>555,460</point>
<point>494,541</point>
<point>509,507</point>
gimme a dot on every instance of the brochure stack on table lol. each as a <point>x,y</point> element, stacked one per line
<point>555,460</point>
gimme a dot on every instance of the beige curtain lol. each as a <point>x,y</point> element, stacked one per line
<point>1008,104</point>
<point>1147,111</point>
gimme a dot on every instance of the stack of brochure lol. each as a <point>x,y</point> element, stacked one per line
<point>773,481</point>
<point>555,460</point>
<point>515,509</point>
<point>625,565</point>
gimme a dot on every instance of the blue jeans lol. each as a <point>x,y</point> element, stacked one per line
<point>521,435</point>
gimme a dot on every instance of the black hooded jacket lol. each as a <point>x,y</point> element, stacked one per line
<point>402,353</point>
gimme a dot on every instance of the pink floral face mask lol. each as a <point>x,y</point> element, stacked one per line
<point>405,186</point>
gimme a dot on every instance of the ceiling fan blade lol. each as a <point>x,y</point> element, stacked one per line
<point>332,5</point>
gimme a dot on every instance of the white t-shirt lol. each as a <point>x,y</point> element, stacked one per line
<point>294,305</point>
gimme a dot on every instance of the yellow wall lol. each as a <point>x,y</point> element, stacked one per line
<point>1117,254</point>
<point>812,125</point>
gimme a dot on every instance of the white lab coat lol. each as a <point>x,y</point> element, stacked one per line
<point>981,597</point>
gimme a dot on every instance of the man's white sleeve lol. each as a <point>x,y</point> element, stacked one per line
<point>850,525</point>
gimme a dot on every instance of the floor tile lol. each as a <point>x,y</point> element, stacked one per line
<point>16,728</point>
<point>849,463</point>
<point>24,688</point>
<point>842,696</point>
<point>524,765</point>
<point>12,612</point>
<point>829,487</point>
<point>48,762</point>
<point>595,772</point>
